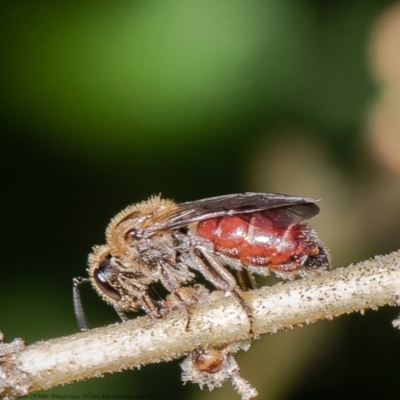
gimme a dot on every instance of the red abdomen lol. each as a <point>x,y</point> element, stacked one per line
<point>255,240</point>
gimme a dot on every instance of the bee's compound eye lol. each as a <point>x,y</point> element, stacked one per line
<point>100,276</point>
<point>132,234</point>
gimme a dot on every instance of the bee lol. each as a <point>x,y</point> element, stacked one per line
<point>159,242</point>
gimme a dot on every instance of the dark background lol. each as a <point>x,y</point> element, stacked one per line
<point>106,103</point>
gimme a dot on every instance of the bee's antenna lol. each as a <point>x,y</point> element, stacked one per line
<point>120,313</point>
<point>79,314</point>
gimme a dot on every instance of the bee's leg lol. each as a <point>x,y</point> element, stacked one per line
<point>79,314</point>
<point>187,307</point>
<point>246,280</point>
<point>151,303</point>
<point>245,277</point>
<point>155,298</point>
<point>214,272</point>
<point>170,282</point>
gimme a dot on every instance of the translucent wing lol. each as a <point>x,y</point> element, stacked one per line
<point>282,209</point>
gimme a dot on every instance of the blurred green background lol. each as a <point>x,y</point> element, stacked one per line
<point>106,103</point>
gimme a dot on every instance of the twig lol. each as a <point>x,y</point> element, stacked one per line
<point>368,284</point>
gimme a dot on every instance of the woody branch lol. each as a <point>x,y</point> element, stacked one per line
<point>368,284</point>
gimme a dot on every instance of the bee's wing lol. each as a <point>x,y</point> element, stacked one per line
<point>280,208</point>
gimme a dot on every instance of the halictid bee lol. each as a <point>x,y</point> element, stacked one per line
<point>158,242</point>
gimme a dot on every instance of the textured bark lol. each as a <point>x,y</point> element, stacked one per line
<point>368,284</point>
